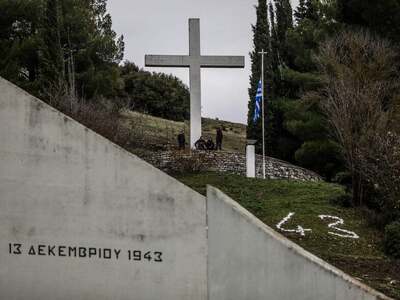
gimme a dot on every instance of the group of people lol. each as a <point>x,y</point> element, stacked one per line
<point>201,143</point>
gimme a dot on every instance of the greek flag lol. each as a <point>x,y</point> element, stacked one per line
<point>257,109</point>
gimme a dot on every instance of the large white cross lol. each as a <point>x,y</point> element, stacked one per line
<point>194,61</point>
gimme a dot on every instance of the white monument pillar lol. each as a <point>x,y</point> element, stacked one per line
<point>195,61</point>
<point>251,159</point>
<point>195,81</point>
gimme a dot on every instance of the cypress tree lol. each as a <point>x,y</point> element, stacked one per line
<point>274,40</point>
<point>279,141</point>
<point>284,22</point>
<point>312,10</point>
<point>19,55</point>
<point>261,41</point>
<point>53,69</point>
<point>301,11</point>
<point>275,56</point>
<point>382,17</point>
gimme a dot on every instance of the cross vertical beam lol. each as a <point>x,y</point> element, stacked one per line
<point>195,81</point>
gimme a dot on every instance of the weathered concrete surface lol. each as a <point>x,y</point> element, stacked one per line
<point>250,161</point>
<point>63,185</point>
<point>248,260</point>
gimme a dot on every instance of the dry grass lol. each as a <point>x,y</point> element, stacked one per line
<point>157,133</point>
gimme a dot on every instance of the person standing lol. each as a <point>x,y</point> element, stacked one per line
<point>181,140</point>
<point>219,138</point>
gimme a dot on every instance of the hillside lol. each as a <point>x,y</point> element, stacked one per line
<point>272,200</point>
<point>160,134</point>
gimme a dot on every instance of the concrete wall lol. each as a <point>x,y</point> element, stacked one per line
<point>80,218</point>
<point>232,162</point>
<point>248,260</point>
<point>63,187</point>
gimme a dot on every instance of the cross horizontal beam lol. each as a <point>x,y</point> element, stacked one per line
<point>222,61</point>
<point>173,61</point>
<point>179,61</point>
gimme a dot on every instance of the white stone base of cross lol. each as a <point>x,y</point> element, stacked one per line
<point>194,61</point>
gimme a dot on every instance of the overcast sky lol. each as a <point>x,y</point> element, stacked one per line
<point>161,27</point>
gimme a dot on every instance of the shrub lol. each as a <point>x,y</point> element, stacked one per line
<point>392,239</point>
<point>101,118</point>
<point>361,73</point>
<point>321,156</point>
<point>380,165</point>
<point>344,200</point>
<point>189,162</point>
<point>343,178</point>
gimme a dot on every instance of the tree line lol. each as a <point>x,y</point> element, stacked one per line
<point>296,129</point>
<point>66,50</point>
<point>332,94</point>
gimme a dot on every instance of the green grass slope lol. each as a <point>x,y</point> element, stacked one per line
<point>157,133</point>
<point>273,200</point>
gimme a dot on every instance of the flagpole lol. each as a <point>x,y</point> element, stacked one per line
<point>263,112</point>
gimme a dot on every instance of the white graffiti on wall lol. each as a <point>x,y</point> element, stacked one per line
<point>300,230</point>
<point>339,221</point>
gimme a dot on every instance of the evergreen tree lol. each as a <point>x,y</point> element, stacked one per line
<point>158,94</point>
<point>19,42</point>
<point>295,128</point>
<point>52,59</point>
<point>275,59</point>
<point>45,42</point>
<point>302,118</point>
<point>307,9</point>
<point>284,22</point>
<point>381,16</point>
<point>283,25</point>
<point>91,47</point>
<point>312,10</point>
<point>301,11</point>
<point>261,41</point>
